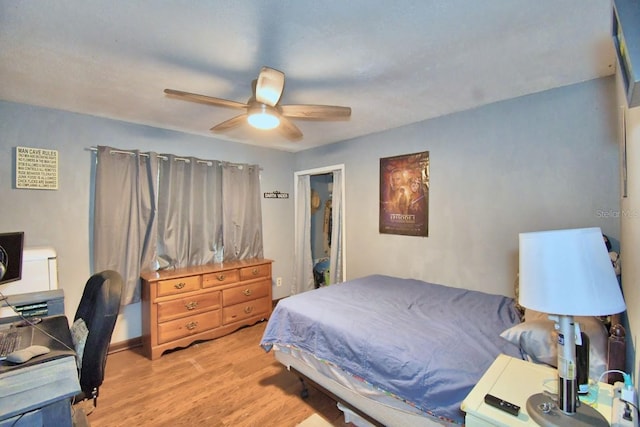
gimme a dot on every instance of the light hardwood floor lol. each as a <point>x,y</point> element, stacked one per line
<point>229,381</point>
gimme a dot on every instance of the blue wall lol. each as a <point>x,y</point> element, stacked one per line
<point>62,218</point>
<point>544,161</point>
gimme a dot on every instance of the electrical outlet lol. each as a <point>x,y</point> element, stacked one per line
<point>279,281</point>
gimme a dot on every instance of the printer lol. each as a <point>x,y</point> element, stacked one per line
<point>37,293</point>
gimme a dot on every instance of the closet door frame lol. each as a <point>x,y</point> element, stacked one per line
<point>298,198</point>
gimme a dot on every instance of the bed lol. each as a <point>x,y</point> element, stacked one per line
<point>393,351</point>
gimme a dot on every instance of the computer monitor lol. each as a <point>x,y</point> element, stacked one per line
<point>11,248</point>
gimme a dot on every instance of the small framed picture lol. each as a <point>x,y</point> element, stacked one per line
<point>36,168</point>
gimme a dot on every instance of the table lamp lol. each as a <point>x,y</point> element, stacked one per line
<point>567,273</point>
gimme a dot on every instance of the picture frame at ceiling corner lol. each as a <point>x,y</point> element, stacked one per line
<point>404,195</point>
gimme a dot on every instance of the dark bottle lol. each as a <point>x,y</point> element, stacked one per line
<point>582,360</point>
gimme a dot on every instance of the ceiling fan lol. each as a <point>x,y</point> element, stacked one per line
<point>263,109</point>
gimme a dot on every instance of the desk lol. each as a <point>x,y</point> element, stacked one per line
<point>515,380</point>
<point>39,392</point>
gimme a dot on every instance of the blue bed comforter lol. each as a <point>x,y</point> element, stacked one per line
<point>427,344</point>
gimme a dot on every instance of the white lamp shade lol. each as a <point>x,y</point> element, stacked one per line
<point>568,272</point>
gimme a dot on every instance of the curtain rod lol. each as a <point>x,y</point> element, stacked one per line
<point>183,159</point>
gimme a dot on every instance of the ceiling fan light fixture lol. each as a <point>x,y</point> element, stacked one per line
<point>263,109</point>
<point>263,118</point>
<point>269,86</point>
<point>270,95</point>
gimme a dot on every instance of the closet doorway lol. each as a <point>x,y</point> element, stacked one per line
<point>320,254</point>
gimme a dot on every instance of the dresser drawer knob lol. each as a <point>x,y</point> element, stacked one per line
<point>220,277</point>
<point>180,285</point>
<point>192,325</point>
<point>247,292</point>
<point>191,305</point>
<point>255,271</point>
<point>248,309</point>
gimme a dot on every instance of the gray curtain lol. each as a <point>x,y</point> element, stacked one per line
<point>176,213</point>
<point>303,262</point>
<point>189,211</point>
<point>242,212</point>
<point>335,260</point>
<point>124,229</point>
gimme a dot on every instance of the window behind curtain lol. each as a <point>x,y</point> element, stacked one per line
<point>124,227</point>
<point>242,213</point>
<point>188,211</point>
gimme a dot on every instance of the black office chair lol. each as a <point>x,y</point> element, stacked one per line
<point>99,308</point>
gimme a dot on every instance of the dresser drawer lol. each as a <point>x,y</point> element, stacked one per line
<point>220,278</point>
<point>245,310</point>
<point>255,272</point>
<point>240,294</point>
<point>177,286</point>
<point>170,331</point>
<point>188,305</point>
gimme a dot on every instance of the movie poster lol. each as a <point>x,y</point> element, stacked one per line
<point>404,194</point>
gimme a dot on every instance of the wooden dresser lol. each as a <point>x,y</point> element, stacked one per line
<point>189,304</point>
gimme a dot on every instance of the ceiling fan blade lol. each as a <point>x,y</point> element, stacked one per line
<point>210,100</point>
<point>289,130</point>
<point>230,124</point>
<point>269,86</point>
<point>316,112</point>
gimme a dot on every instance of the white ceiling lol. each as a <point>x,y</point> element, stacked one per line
<point>394,62</point>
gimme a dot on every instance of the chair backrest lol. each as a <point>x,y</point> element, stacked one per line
<point>99,308</point>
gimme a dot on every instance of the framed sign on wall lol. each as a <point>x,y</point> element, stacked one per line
<point>404,194</point>
<point>36,168</point>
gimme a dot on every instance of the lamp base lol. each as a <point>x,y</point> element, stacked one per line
<point>544,410</point>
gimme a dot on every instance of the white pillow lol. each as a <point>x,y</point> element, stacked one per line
<point>538,339</point>
<point>79,333</point>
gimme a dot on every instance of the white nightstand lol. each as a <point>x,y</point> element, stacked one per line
<point>514,380</point>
